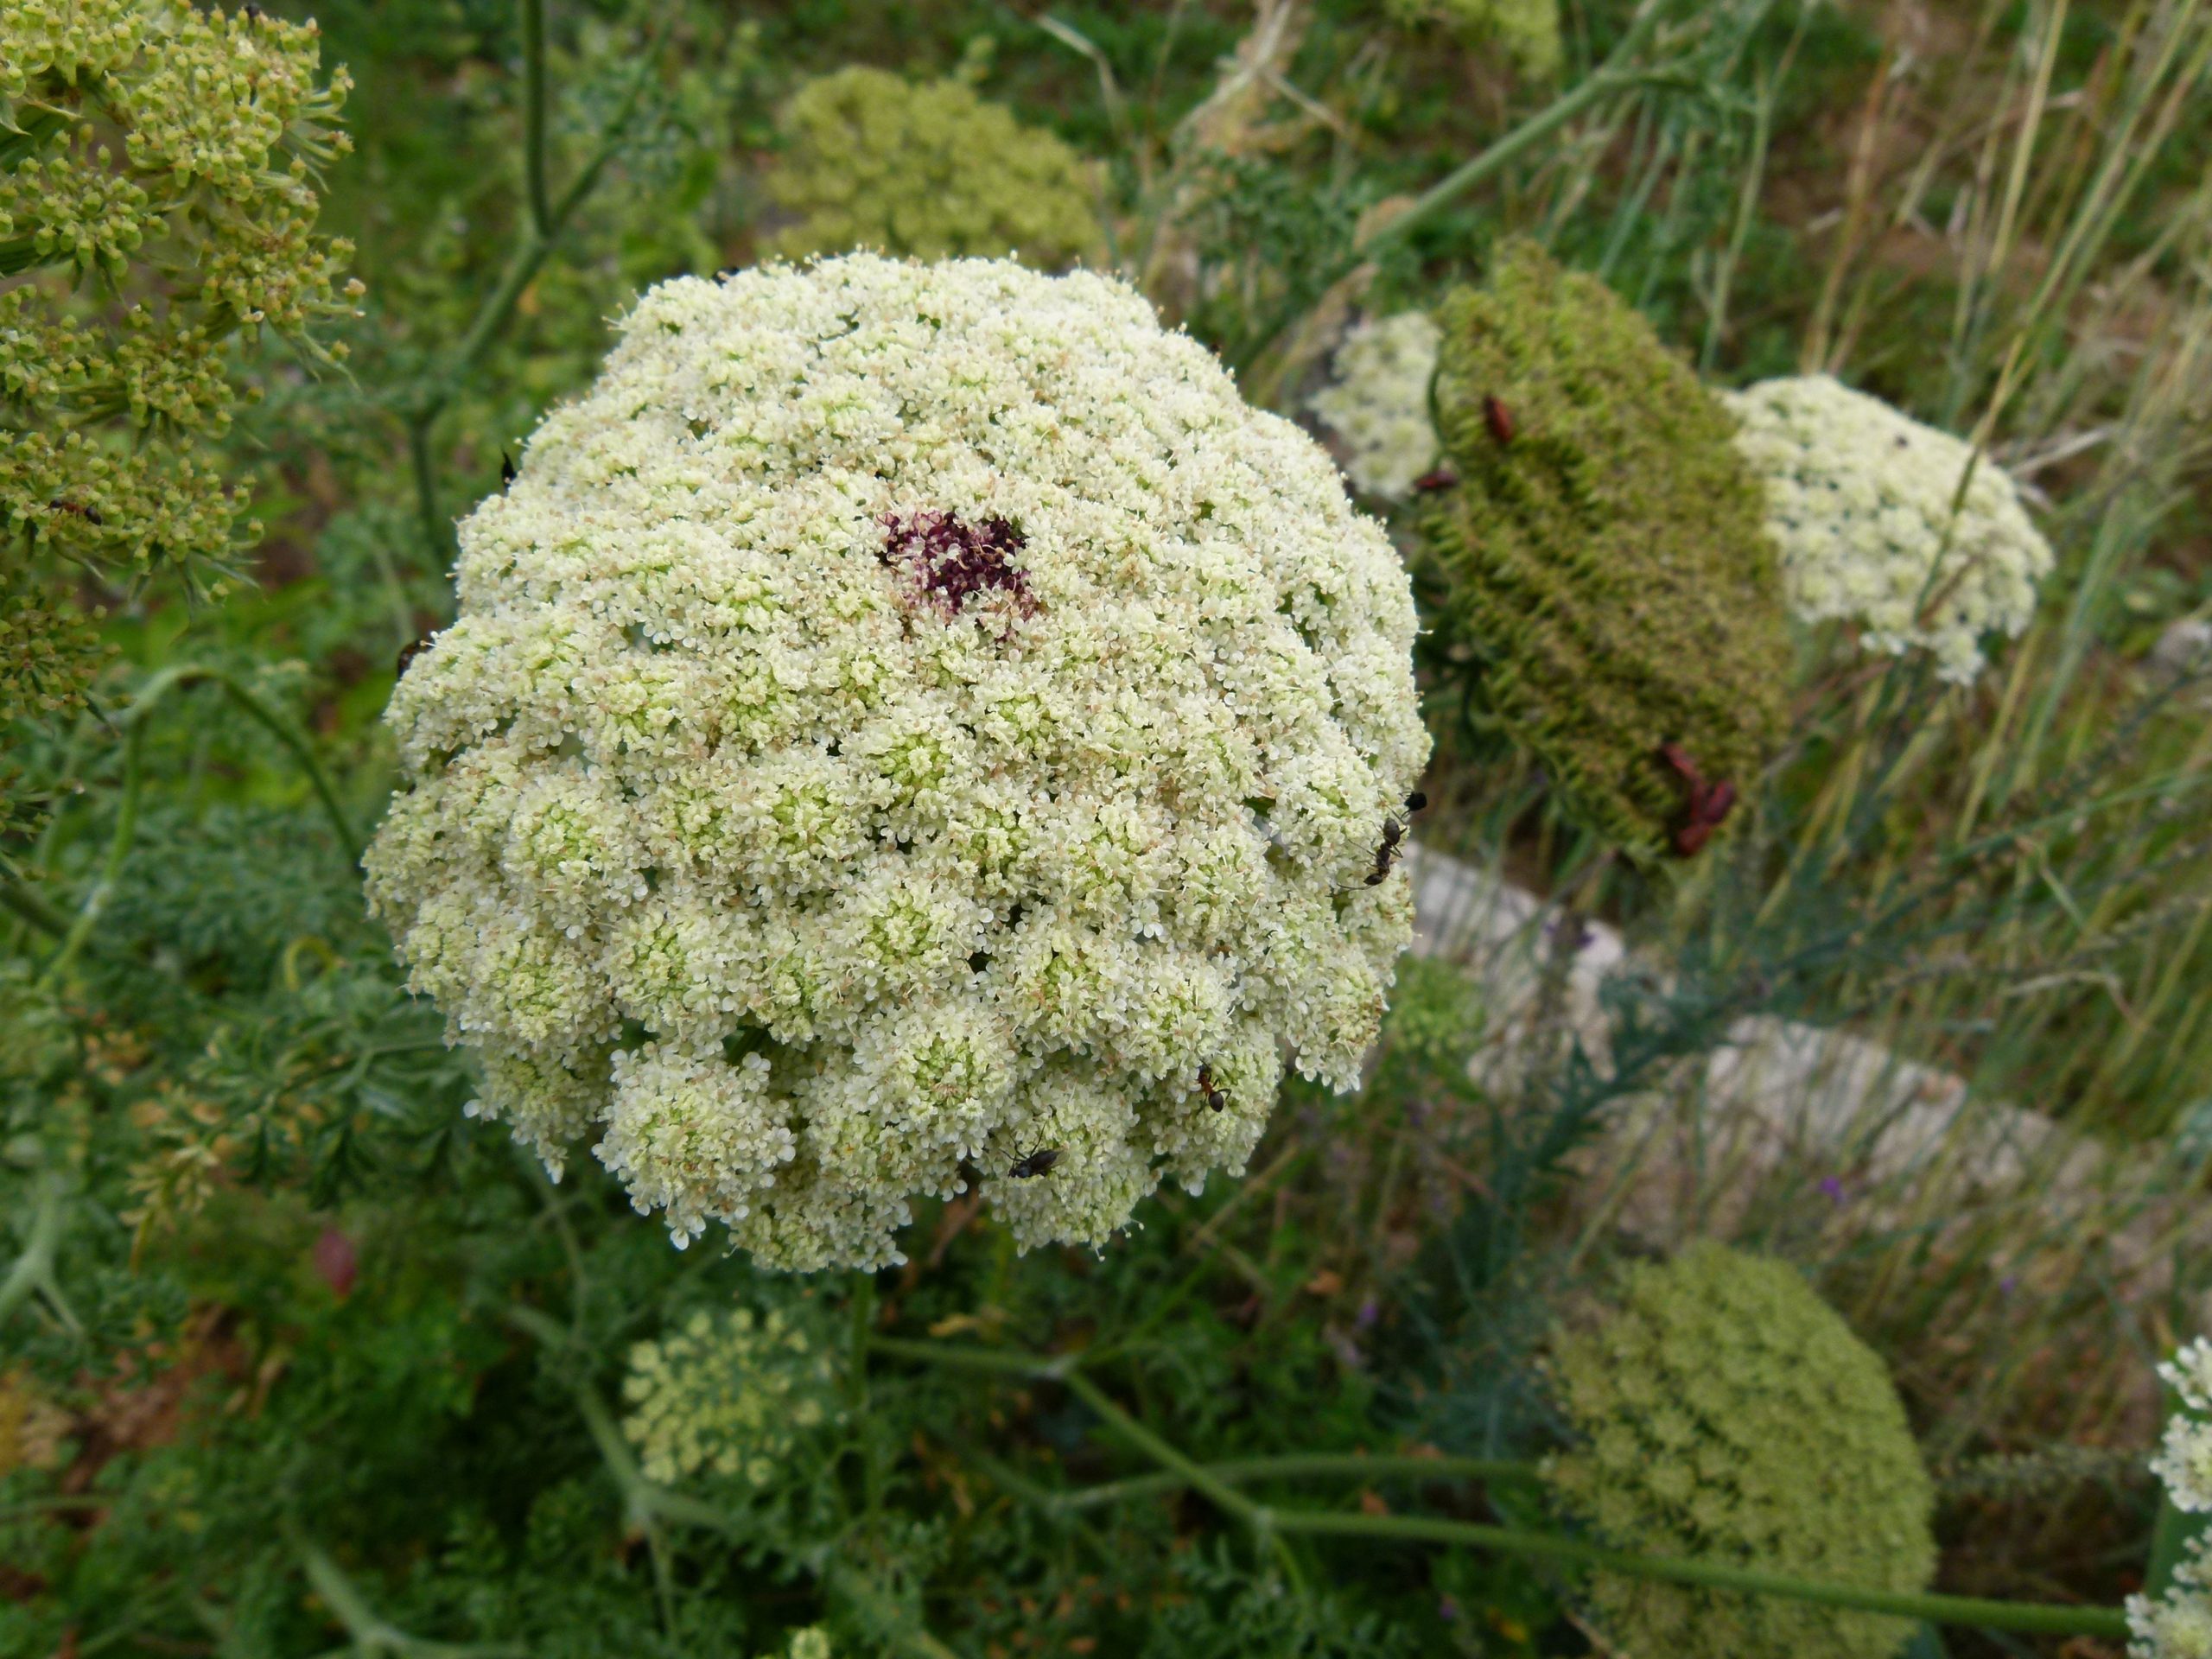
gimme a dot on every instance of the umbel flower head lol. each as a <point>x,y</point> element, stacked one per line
<point>905,719</point>
<point>1378,405</point>
<point>1602,573</point>
<point>2178,1624</point>
<point>1722,1412</point>
<point>731,1393</point>
<point>874,161</point>
<point>158,193</point>
<point>1865,504</point>
<point>1527,30</point>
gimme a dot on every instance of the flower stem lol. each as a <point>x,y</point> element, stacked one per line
<point>1355,1466</point>
<point>2045,1617</point>
<point>543,221</point>
<point>1277,1523</point>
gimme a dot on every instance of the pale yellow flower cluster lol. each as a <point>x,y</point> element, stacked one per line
<point>904,718</point>
<point>2178,1624</point>
<point>1865,504</point>
<point>728,1395</point>
<point>1377,404</point>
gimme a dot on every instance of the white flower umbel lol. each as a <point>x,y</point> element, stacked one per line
<point>1859,499</point>
<point>2178,1626</point>
<point>1378,403</point>
<point>902,720</point>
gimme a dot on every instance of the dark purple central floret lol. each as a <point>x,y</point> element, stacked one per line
<point>951,562</point>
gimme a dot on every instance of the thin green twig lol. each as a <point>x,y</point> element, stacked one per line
<point>1278,1523</point>
<point>32,1271</point>
<point>1355,1466</point>
<point>543,224</point>
<point>134,723</point>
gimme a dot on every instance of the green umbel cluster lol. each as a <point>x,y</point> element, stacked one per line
<point>1525,30</point>
<point>877,162</point>
<point>1723,1412</point>
<point>157,197</point>
<point>731,1393</point>
<point>1598,553</point>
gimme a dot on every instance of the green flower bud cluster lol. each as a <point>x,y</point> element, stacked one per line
<point>1525,30</point>
<point>158,190</point>
<point>1603,570</point>
<point>733,1395</point>
<point>1722,1412</point>
<point>877,162</point>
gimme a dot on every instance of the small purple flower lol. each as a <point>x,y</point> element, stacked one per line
<point>2008,1284</point>
<point>1834,1187</point>
<point>1370,1310</point>
<point>1446,1609</point>
<point>951,562</point>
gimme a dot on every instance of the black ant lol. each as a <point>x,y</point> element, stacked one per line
<point>1215,1098</point>
<point>1387,854</point>
<point>90,515</point>
<point>1393,832</point>
<point>1037,1163</point>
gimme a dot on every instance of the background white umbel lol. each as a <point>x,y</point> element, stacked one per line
<point>1861,501</point>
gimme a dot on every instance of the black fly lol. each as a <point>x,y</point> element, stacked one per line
<point>507,470</point>
<point>1037,1163</point>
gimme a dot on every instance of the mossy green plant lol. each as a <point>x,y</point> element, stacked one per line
<point>931,170</point>
<point>1598,554</point>
<point>1721,1411</point>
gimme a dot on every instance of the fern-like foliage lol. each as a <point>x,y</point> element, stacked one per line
<point>1600,558</point>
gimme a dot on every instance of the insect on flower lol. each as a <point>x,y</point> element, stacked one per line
<point>1035,1164</point>
<point>1215,1098</point>
<point>1498,418</point>
<point>90,515</point>
<point>506,469</point>
<point>1387,855</point>
<point>1709,804</point>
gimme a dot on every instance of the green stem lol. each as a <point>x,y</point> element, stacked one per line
<point>30,905</point>
<point>1277,1523</point>
<point>2042,1618</point>
<point>965,1358</point>
<point>33,1270</point>
<point>542,228</point>
<point>368,1632</point>
<point>1355,1465</point>
<point>533,117</point>
<point>533,248</point>
<point>1192,1473</point>
<point>118,847</point>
